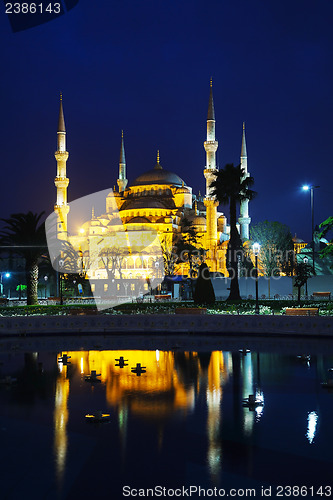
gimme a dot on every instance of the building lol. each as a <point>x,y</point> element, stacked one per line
<point>157,200</point>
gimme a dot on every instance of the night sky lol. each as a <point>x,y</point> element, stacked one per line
<point>144,66</point>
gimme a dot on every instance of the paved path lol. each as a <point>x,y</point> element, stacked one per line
<point>164,324</point>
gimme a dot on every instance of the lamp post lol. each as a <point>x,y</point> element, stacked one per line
<point>305,261</point>
<point>311,188</point>
<point>256,250</point>
<point>45,279</point>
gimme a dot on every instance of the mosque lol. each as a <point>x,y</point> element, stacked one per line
<point>157,200</point>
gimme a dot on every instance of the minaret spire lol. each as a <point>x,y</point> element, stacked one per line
<point>243,150</point>
<point>61,121</point>
<point>122,181</point>
<point>210,202</point>
<point>244,219</point>
<point>61,181</point>
<point>158,165</point>
<point>211,110</point>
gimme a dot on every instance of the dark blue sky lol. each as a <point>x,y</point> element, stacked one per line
<point>144,66</point>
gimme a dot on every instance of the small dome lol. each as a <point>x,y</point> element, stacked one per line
<point>199,221</point>
<point>95,222</point>
<point>182,189</point>
<point>297,240</point>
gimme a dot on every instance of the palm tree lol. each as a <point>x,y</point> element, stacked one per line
<point>24,235</point>
<point>231,186</point>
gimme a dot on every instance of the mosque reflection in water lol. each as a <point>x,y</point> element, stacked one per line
<point>170,386</point>
<point>182,420</point>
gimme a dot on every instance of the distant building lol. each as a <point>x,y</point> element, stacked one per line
<point>298,244</point>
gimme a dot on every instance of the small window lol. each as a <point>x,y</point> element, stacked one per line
<point>132,287</point>
<point>106,286</point>
<point>93,286</point>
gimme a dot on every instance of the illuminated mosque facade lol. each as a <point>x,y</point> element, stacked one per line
<point>157,200</point>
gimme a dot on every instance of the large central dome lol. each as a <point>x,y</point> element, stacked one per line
<point>158,175</point>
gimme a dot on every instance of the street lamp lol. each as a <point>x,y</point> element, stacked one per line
<point>311,188</point>
<point>256,250</point>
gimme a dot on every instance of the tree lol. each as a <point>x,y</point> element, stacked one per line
<point>169,255</point>
<point>276,247</point>
<point>188,248</point>
<point>231,186</point>
<point>204,291</point>
<point>24,235</point>
<point>71,268</point>
<point>326,227</point>
<point>303,273</point>
<point>112,259</point>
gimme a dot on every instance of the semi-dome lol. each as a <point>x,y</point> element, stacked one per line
<point>141,220</point>
<point>143,203</point>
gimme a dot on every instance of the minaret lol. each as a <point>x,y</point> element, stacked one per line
<point>61,181</point>
<point>244,219</point>
<point>122,181</point>
<point>210,202</point>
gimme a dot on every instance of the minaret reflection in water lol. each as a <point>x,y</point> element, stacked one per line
<point>60,422</point>
<point>216,370</point>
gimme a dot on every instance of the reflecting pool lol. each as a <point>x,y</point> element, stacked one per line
<point>181,418</point>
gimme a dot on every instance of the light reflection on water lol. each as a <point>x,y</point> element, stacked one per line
<point>180,422</point>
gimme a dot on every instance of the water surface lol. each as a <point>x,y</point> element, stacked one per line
<point>180,423</point>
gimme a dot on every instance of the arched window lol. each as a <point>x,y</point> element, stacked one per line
<point>138,263</point>
<point>150,263</point>
<point>130,263</point>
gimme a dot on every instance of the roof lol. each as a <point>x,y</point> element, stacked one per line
<point>116,221</point>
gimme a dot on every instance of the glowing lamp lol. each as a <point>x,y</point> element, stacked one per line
<point>81,230</point>
<point>306,188</point>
